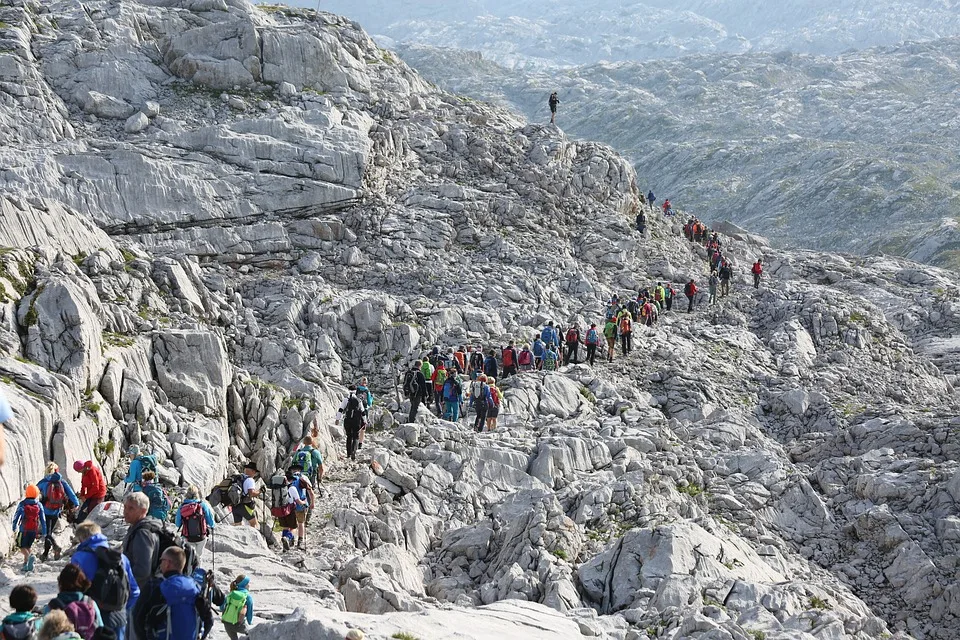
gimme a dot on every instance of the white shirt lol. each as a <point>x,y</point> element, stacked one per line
<point>293,495</point>
<point>248,485</point>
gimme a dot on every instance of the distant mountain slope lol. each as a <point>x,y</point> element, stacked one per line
<point>539,33</point>
<point>854,153</point>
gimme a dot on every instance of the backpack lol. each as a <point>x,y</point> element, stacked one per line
<point>280,504</point>
<point>625,324</point>
<point>193,522</point>
<point>525,358</point>
<point>508,357</point>
<point>547,335</point>
<point>440,378</point>
<point>690,290</point>
<point>493,398</point>
<point>159,505</point>
<point>31,519</point>
<point>236,601</point>
<point>147,463</point>
<point>354,412</point>
<point>538,348</point>
<point>24,630</point>
<point>573,335</point>
<point>304,458</point>
<point>408,379</point>
<point>209,590</point>
<point>229,492</point>
<point>110,586</point>
<point>593,337</point>
<point>169,537</point>
<point>54,497</point>
<point>81,613</point>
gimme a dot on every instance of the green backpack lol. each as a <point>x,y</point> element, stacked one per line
<point>304,458</point>
<point>236,601</point>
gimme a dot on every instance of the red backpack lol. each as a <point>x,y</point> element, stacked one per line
<point>193,522</point>
<point>31,518</point>
<point>573,335</point>
<point>508,357</point>
<point>525,358</point>
<point>54,497</point>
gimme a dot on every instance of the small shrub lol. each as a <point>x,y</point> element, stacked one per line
<point>560,553</point>
<point>403,635</point>
<point>821,604</point>
<point>756,634</point>
<point>692,489</point>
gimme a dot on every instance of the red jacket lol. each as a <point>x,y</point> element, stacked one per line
<point>93,485</point>
<point>690,290</point>
<point>757,268</point>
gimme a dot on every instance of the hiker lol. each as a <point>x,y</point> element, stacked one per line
<point>490,366</point>
<point>651,199</point>
<point>367,397</point>
<point>725,273</point>
<point>310,460</point>
<point>551,358</point>
<point>56,626</point>
<point>56,495</point>
<point>610,333</point>
<point>641,222</point>
<point>353,416</point>
<point>539,349</point>
<point>81,610</point>
<point>493,403</point>
<point>114,587</point>
<point>169,610</point>
<point>461,357</point>
<point>592,341</point>
<point>757,271</point>
<point>509,358</point>
<point>195,520</point>
<point>141,543</point>
<point>625,329</point>
<point>553,102</point>
<point>25,620</point>
<point>29,524</point>
<point>307,500</point>
<point>237,608</point>
<point>479,395</point>
<point>247,509</point>
<point>668,295</point>
<point>283,501</point>
<point>159,501</point>
<point>93,488</point>
<point>525,358</point>
<point>476,362</point>
<point>573,340</point>
<point>690,290</point>
<point>414,387</point>
<point>6,414</point>
<point>426,369</point>
<point>713,283</point>
<point>667,207</point>
<point>452,398</point>
<point>439,377</point>
<point>138,464</point>
<point>549,335</point>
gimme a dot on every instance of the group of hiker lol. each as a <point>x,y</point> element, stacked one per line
<point>721,267</point>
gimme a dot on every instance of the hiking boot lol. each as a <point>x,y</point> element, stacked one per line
<point>286,543</point>
<point>57,552</point>
<point>301,545</point>
<point>359,446</point>
<point>28,567</point>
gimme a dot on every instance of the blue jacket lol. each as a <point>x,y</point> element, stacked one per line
<point>67,489</point>
<point>18,517</point>
<point>249,606</point>
<point>180,593</point>
<point>134,473</point>
<point>538,348</point>
<point>84,558</point>
<point>207,513</point>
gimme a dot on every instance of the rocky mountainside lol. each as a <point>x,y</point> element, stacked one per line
<point>216,216</point>
<point>542,34</point>
<point>849,153</point>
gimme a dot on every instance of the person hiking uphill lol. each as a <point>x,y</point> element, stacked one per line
<point>81,610</point>
<point>170,608</point>
<point>690,290</point>
<point>93,488</point>
<point>195,520</point>
<point>29,524</point>
<point>553,102</point>
<point>592,341</point>
<point>367,397</point>
<point>439,377</point>
<point>610,333</point>
<point>237,608</point>
<point>452,398</point>
<point>310,460</point>
<point>247,509</point>
<point>414,387</point>
<point>114,588</point>
<point>757,272</point>
<point>353,416</point>
<point>651,199</point>
<point>138,464</point>
<point>573,345</point>
<point>714,282</point>
<point>56,495</point>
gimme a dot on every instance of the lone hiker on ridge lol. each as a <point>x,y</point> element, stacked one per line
<point>757,271</point>
<point>554,101</point>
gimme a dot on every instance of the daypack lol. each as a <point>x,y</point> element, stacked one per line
<point>147,463</point>
<point>690,289</point>
<point>236,601</point>
<point>354,412</point>
<point>408,379</point>
<point>508,357</point>
<point>54,497</point>
<point>23,630</point>
<point>110,586</point>
<point>31,519</point>
<point>525,358</point>
<point>193,522</point>
<point>610,329</point>
<point>538,348</point>
<point>229,492</point>
<point>593,337</point>
<point>81,613</point>
<point>440,378</point>
<point>573,335</point>
<point>159,505</point>
<point>280,504</point>
<point>169,537</point>
<point>547,335</point>
<point>304,459</point>
<point>493,398</point>
<point>625,324</point>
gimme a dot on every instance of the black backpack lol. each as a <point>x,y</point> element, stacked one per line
<point>229,492</point>
<point>408,380</point>
<point>110,587</point>
<point>354,412</point>
<point>169,537</point>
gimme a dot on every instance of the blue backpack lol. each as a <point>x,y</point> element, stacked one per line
<point>547,335</point>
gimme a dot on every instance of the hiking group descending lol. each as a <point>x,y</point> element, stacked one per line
<point>151,585</point>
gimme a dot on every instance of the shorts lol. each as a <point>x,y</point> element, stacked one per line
<point>301,516</point>
<point>493,412</point>
<point>243,512</point>
<point>25,539</point>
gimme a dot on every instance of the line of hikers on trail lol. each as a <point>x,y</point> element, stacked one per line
<point>150,585</point>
